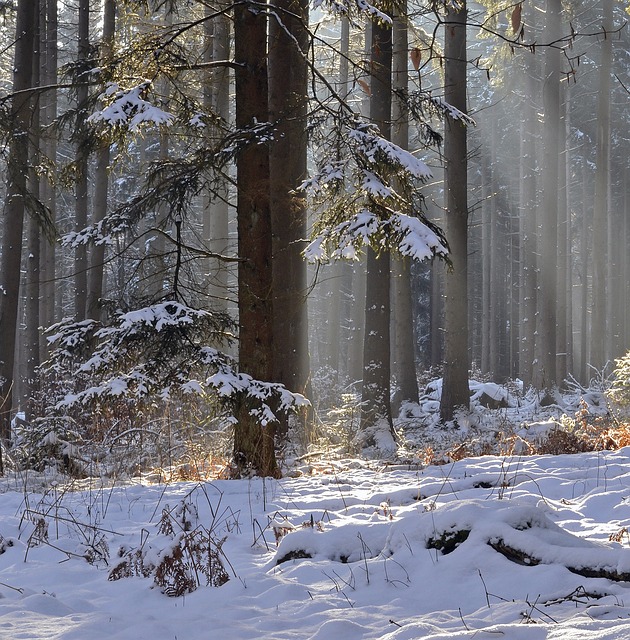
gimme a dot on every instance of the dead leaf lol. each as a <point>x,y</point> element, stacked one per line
<point>416,57</point>
<point>516,18</point>
<point>365,86</point>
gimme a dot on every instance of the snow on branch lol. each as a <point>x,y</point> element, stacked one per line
<point>416,239</point>
<point>156,353</point>
<point>374,148</point>
<point>369,198</point>
<point>423,105</point>
<point>408,235</point>
<point>353,7</point>
<point>372,159</point>
<point>129,108</point>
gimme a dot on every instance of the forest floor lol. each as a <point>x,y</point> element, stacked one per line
<point>514,544</point>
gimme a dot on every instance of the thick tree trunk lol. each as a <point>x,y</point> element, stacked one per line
<point>455,391</point>
<point>253,443</point>
<point>13,212</point>
<point>376,416</point>
<point>288,84</point>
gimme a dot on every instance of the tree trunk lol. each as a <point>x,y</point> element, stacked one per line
<point>288,84</point>
<point>13,212</point>
<point>32,288</point>
<point>81,161</point>
<point>48,113</point>
<point>357,326</point>
<point>455,391</point>
<point>546,370</point>
<point>376,416</point>
<point>404,343</point>
<point>487,300</point>
<point>340,274</point>
<point>601,204</point>
<point>253,443</point>
<point>436,316</point>
<point>216,209</point>
<point>528,226</point>
<point>584,254</point>
<point>562,338</point>
<point>101,180</point>
<point>626,263</point>
<point>566,167</point>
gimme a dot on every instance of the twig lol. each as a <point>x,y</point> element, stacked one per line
<point>485,588</point>
<point>260,535</point>
<point>365,556</point>
<point>462,619</point>
<point>8,586</point>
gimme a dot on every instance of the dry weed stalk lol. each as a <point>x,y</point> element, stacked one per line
<point>184,556</point>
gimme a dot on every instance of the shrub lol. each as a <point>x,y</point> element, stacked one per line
<point>619,393</point>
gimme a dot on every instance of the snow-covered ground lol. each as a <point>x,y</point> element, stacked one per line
<point>364,569</point>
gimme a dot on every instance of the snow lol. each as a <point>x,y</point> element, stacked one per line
<point>373,146</point>
<point>127,107</point>
<point>349,554</point>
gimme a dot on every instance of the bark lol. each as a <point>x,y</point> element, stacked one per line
<point>495,248</point>
<point>332,309</point>
<point>487,311</point>
<point>340,275</point>
<point>215,219</point>
<point>376,416</point>
<point>357,328</point>
<point>514,283</point>
<point>584,261</point>
<point>601,203</point>
<point>288,84</point>
<point>528,227</point>
<point>436,334</point>
<point>562,338</point>
<point>253,443</point>
<point>13,212</point>
<point>476,312</point>
<point>404,343</point>
<point>359,274</point>
<point>455,391</point>
<point>546,370</point>
<point>566,167</point>
<point>32,283</point>
<point>500,269</point>
<point>525,558</point>
<point>81,162</point>
<point>48,113</point>
<point>101,181</point>
<point>626,263</point>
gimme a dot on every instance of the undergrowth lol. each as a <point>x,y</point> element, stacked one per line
<point>166,442</point>
<point>182,556</point>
